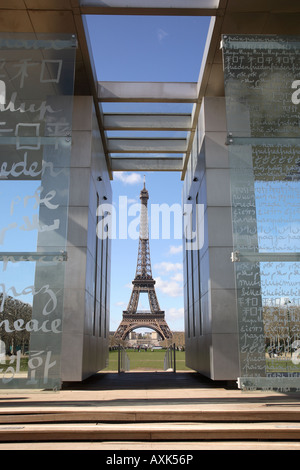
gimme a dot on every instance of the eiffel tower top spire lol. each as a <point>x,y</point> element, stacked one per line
<point>143,269</point>
<point>144,226</point>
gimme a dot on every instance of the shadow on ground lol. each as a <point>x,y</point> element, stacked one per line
<point>214,392</point>
<point>146,381</point>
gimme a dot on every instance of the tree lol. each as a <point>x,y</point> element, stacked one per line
<point>179,339</point>
<point>14,310</point>
<point>281,327</point>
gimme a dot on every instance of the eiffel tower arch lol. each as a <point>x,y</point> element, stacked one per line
<point>143,283</point>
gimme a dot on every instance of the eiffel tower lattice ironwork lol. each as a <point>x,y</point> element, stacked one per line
<point>143,283</point>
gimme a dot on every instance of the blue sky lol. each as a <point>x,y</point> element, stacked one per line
<point>147,48</point>
<point>143,48</point>
<point>13,237</point>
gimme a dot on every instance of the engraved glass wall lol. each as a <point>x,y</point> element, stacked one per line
<point>262,90</point>
<point>36,96</point>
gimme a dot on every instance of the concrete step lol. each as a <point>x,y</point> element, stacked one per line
<point>251,415</point>
<point>146,432</point>
<point>138,448</point>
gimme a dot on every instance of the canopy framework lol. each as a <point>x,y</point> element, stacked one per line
<point>172,151</point>
<point>167,150</point>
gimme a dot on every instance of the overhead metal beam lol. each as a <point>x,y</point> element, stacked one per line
<point>147,92</point>
<point>146,164</point>
<point>155,7</point>
<point>147,122</point>
<point>135,145</point>
<point>91,10</point>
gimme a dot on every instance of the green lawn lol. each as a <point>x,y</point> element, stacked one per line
<point>143,360</point>
<point>146,360</point>
<point>282,365</point>
<point>23,364</point>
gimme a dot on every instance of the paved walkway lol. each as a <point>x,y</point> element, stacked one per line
<point>132,390</point>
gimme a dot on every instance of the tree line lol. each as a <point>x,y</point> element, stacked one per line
<point>14,310</point>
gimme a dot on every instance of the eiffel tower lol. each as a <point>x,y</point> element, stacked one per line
<point>143,282</point>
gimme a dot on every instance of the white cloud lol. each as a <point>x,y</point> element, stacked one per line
<point>166,267</point>
<point>178,277</point>
<point>175,313</point>
<point>174,250</point>
<point>169,287</point>
<point>128,178</point>
<point>172,286</point>
<point>161,34</point>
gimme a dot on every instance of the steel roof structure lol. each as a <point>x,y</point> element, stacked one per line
<point>150,153</point>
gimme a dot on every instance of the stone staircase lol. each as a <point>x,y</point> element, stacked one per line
<point>149,426</point>
<point>150,412</point>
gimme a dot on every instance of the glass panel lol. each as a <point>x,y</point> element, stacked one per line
<point>36,97</point>
<point>263,115</point>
